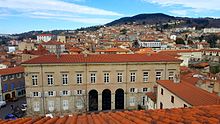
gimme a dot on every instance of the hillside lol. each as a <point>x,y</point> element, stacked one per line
<point>159,18</point>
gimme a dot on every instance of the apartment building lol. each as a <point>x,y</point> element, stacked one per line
<point>12,83</point>
<point>78,83</point>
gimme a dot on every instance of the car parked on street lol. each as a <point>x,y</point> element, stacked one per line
<point>24,107</point>
<point>2,104</point>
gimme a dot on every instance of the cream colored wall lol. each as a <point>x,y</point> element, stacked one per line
<point>113,68</point>
<point>150,104</point>
<point>166,99</point>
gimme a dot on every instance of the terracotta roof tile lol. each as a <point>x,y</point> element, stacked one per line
<point>190,93</point>
<point>194,115</point>
<point>13,70</point>
<point>103,58</point>
<point>52,42</point>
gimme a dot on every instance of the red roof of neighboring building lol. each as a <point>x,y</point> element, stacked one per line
<point>13,70</point>
<point>40,51</point>
<point>152,96</point>
<point>101,58</point>
<point>52,42</point>
<point>190,93</point>
<point>113,50</point>
<point>75,49</point>
<point>194,115</point>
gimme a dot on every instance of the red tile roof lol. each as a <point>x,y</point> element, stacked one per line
<point>152,96</point>
<point>103,58</point>
<point>190,93</point>
<point>113,50</point>
<point>52,42</point>
<point>13,70</point>
<point>194,115</point>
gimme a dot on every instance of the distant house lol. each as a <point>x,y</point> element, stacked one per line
<point>54,46</point>
<point>175,94</point>
<point>113,51</point>
<point>44,37</point>
<point>150,43</point>
<point>12,83</point>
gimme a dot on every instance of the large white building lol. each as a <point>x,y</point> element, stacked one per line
<point>44,37</point>
<point>150,43</point>
<point>211,30</point>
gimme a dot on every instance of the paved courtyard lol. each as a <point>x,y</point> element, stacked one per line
<point>7,109</point>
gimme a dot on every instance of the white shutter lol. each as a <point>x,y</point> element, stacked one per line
<point>39,94</point>
<point>83,92</point>
<point>46,94</point>
<point>69,93</point>
<point>54,93</point>
<point>61,93</point>
<point>136,90</point>
<point>75,92</point>
<point>31,94</point>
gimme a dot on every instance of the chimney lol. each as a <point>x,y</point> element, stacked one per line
<point>85,55</point>
<point>58,51</point>
<point>155,89</point>
<point>176,78</point>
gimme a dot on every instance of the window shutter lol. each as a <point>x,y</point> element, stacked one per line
<point>31,94</point>
<point>83,92</point>
<point>39,94</point>
<point>136,90</point>
<point>46,94</point>
<point>61,93</point>
<point>54,93</point>
<point>69,93</point>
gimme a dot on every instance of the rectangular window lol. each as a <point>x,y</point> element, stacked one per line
<point>50,93</point>
<point>93,78</point>
<point>35,94</point>
<point>161,105</point>
<point>12,77</point>
<point>65,93</point>
<point>51,106</point>
<point>172,99</point>
<point>171,75</point>
<point>132,90</point>
<point>79,103</point>
<point>34,80</point>
<point>161,91</point>
<point>145,89</point>
<point>50,79</point>
<point>36,106</point>
<point>133,76</point>
<point>18,75</point>
<point>65,104</point>
<point>12,86</point>
<point>79,92</point>
<point>145,76</point>
<point>158,75</point>
<point>65,79</point>
<point>79,78</point>
<point>143,100</point>
<point>5,87</point>
<point>5,78</point>
<point>132,101</point>
<point>120,77</point>
<point>106,77</point>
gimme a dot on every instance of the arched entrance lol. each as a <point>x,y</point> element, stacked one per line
<point>119,99</point>
<point>7,96</point>
<point>13,94</point>
<point>106,99</point>
<point>93,100</point>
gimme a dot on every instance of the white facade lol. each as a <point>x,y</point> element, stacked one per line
<point>189,56</point>
<point>150,104</point>
<point>44,38</point>
<point>2,66</point>
<point>150,44</point>
<point>165,99</point>
<point>211,30</point>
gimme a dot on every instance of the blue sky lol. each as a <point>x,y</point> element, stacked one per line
<point>18,16</point>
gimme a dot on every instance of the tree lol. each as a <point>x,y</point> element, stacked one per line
<point>211,39</point>
<point>179,41</point>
